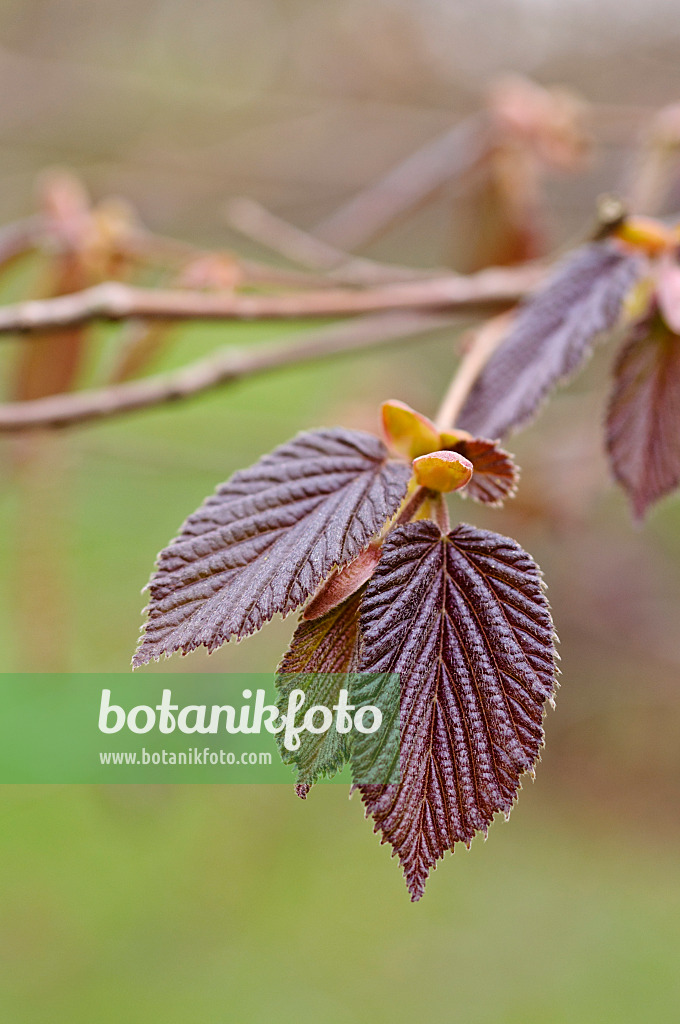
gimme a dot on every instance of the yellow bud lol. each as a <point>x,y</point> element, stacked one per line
<point>645,233</point>
<point>442,471</point>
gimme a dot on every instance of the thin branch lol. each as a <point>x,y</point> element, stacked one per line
<point>148,247</point>
<point>440,513</point>
<point>224,367</point>
<point>18,239</point>
<point>254,221</point>
<point>265,274</point>
<point>448,156</point>
<point>484,343</point>
<point>409,509</point>
<point>486,290</point>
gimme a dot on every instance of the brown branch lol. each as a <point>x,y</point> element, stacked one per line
<point>484,343</point>
<point>254,221</point>
<point>18,239</point>
<point>448,156</point>
<point>224,367</point>
<point>489,289</point>
<point>148,247</point>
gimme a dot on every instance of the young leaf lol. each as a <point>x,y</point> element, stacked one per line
<point>551,337</point>
<point>668,293</point>
<point>264,542</point>
<point>406,431</point>
<point>343,582</point>
<point>495,475</point>
<point>320,655</point>
<point>50,364</point>
<point>643,419</point>
<point>464,620</point>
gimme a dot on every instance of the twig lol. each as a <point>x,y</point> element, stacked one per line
<point>484,343</point>
<point>149,247</point>
<point>440,512</point>
<point>446,157</point>
<point>488,289</point>
<point>226,366</point>
<point>411,506</point>
<point>17,239</point>
<point>265,274</point>
<point>254,221</point>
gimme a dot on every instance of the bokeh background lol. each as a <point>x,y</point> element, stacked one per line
<point>211,904</point>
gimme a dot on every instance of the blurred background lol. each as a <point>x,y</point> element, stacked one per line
<point>207,904</point>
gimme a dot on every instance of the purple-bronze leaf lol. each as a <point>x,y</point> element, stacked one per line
<point>495,475</point>
<point>551,337</point>
<point>668,292</point>
<point>321,654</point>
<point>343,582</point>
<point>326,644</point>
<point>268,537</point>
<point>643,419</point>
<point>464,620</point>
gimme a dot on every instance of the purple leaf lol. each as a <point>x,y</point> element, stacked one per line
<point>495,475</point>
<point>343,582</point>
<point>643,419</point>
<point>321,654</point>
<point>265,541</point>
<point>668,292</point>
<point>327,644</point>
<point>464,620</point>
<point>551,337</point>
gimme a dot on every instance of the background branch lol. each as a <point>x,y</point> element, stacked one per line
<point>224,367</point>
<point>254,221</point>
<point>448,156</point>
<point>484,342</point>
<point>488,289</point>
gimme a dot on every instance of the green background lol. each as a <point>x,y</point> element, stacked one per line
<point>50,728</point>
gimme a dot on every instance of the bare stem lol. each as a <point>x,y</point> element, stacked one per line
<point>225,367</point>
<point>440,513</point>
<point>254,221</point>
<point>418,498</point>
<point>488,289</point>
<point>484,343</point>
<point>448,156</point>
